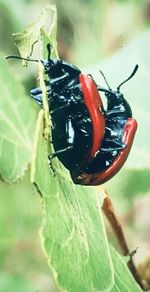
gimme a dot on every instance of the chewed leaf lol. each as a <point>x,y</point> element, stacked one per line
<point>17,124</point>
<point>26,39</point>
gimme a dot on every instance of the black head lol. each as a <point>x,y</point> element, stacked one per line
<point>119,86</point>
<point>116,94</point>
<point>115,99</point>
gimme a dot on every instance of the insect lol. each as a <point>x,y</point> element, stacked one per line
<point>92,143</point>
<point>120,129</point>
<point>78,121</point>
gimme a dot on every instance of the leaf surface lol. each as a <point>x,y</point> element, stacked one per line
<point>17,125</point>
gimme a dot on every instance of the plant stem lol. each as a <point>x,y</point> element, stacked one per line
<point>110,214</point>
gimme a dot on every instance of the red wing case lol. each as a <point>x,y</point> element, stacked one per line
<point>94,105</point>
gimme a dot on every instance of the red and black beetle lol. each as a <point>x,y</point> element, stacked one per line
<point>120,129</point>
<point>78,122</point>
<point>92,143</point>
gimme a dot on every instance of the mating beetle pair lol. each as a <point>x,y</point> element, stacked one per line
<point>91,142</point>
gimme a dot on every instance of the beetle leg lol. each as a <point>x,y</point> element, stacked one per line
<point>60,108</point>
<point>64,106</point>
<point>60,151</point>
<point>114,111</point>
<point>120,146</point>
<point>35,91</point>
<point>70,139</point>
<point>104,89</point>
<point>36,94</point>
<point>38,99</point>
<point>113,149</point>
<point>114,142</point>
<point>59,79</point>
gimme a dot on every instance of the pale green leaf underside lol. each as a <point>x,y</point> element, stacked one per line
<point>17,124</point>
<point>73,227</point>
<point>26,39</point>
<point>74,235</point>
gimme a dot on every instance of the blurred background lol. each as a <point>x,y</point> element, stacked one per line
<point>107,35</point>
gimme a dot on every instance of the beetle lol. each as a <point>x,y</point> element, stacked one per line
<point>76,108</point>
<point>91,142</point>
<point>120,130</point>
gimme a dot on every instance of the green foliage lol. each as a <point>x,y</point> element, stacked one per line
<point>73,231</point>
<point>17,126</point>
<point>22,264</point>
<point>26,39</point>
<point>74,235</point>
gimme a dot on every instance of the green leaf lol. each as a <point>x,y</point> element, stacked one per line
<point>25,40</point>
<point>73,233</point>
<point>22,262</point>
<point>69,230</point>
<point>17,126</point>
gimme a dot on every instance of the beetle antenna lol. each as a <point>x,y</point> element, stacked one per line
<point>21,58</point>
<point>105,80</point>
<point>49,48</point>
<point>132,74</point>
